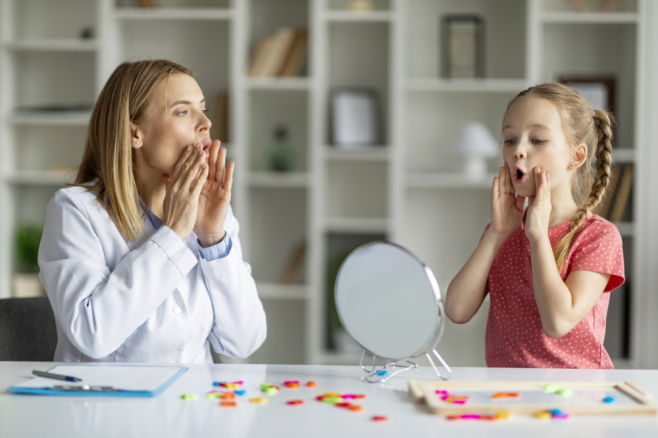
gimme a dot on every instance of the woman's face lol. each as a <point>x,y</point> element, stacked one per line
<point>173,119</point>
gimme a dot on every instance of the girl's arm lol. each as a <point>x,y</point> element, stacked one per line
<point>468,289</point>
<point>562,304</point>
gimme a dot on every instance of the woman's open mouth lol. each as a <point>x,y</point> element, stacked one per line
<point>519,175</point>
<point>206,147</point>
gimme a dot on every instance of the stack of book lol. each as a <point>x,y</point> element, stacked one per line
<point>617,194</point>
<point>282,54</point>
<point>147,3</point>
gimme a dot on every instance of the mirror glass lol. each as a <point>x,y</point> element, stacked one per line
<point>388,301</point>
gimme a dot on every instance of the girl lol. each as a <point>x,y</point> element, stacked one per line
<point>547,267</point>
<point>141,260</point>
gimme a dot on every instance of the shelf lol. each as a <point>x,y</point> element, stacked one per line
<point>54,45</point>
<point>467,85</point>
<point>40,178</point>
<point>364,153</point>
<point>348,16</point>
<point>72,118</point>
<point>438,180</point>
<point>273,179</point>
<point>206,14</point>
<point>278,83</point>
<point>590,17</point>
<point>282,291</point>
<point>623,155</point>
<point>626,229</point>
<point>357,225</point>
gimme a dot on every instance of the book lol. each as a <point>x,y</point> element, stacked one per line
<point>603,208</point>
<point>259,56</point>
<point>275,55</point>
<point>623,195</point>
<point>294,60</point>
<point>294,264</point>
<point>219,128</point>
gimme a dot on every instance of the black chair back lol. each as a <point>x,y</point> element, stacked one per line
<point>27,330</point>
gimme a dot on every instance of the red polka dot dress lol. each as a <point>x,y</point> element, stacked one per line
<point>514,335</point>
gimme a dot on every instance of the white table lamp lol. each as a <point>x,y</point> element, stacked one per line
<point>475,143</point>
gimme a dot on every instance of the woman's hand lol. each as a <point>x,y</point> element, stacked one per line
<point>182,198</point>
<point>539,211</point>
<point>506,208</point>
<point>215,198</point>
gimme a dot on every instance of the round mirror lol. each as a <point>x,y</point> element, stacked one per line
<point>389,302</point>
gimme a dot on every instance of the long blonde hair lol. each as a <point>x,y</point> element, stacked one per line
<point>581,125</point>
<point>108,162</point>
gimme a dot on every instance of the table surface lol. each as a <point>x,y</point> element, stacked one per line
<point>169,416</point>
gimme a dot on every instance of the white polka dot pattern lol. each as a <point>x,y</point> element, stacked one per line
<point>514,335</point>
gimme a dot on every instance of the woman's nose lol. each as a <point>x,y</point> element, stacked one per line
<point>205,123</point>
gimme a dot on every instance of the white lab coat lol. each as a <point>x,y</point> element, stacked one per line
<point>153,300</point>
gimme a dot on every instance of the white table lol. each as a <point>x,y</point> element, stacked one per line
<point>169,416</point>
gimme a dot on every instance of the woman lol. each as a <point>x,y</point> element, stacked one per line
<point>141,260</point>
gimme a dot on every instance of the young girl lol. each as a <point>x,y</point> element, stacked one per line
<point>547,267</point>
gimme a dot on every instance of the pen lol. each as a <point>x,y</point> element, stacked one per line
<point>55,376</point>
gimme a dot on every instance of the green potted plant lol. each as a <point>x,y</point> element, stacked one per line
<point>26,278</point>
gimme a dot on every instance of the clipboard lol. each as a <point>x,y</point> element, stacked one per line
<point>104,381</point>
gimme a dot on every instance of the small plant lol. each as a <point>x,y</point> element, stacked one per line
<point>28,238</point>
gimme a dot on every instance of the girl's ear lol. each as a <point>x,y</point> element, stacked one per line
<point>578,157</point>
<point>136,136</point>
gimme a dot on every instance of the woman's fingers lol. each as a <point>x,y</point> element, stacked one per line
<point>193,171</point>
<point>221,166</point>
<point>199,181</point>
<point>212,159</point>
<point>178,169</point>
<point>228,180</point>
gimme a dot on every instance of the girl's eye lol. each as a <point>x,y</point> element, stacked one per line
<point>510,142</point>
<point>538,141</point>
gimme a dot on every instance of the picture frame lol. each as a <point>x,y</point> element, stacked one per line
<point>462,46</point>
<point>355,117</point>
<point>599,91</point>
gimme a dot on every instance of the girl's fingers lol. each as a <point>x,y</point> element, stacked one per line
<point>501,181</point>
<point>520,203</point>
<point>495,189</point>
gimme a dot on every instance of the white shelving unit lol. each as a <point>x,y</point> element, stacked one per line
<point>404,189</point>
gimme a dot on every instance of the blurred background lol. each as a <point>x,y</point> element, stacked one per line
<point>349,121</point>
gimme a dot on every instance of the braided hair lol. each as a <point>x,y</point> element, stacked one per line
<point>581,125</point>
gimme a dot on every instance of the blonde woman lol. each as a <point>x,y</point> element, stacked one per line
<point>141,260</point>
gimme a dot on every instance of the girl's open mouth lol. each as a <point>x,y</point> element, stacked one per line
<point>518,175</point>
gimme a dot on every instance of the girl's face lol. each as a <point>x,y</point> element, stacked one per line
<point>533,137</point>
<point>174,119</point>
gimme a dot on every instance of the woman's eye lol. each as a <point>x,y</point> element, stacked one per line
<point>181,113</point>
<point>205,111</point>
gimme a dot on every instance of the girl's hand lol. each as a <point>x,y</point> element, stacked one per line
<point>182,198</point>
<point>215,198</point>
<point>539,210</point>
<point>506,208</point>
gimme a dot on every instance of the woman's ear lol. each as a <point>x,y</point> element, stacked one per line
<point>136,136</point>
<point>578,157</point>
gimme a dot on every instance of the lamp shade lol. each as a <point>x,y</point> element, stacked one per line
<point>474,139</point>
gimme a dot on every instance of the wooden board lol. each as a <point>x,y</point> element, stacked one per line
<point>587,399</point>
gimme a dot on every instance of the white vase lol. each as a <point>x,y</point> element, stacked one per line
<point>27,285</point>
